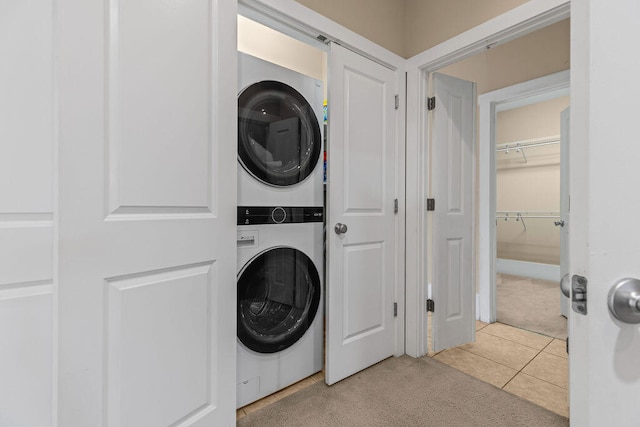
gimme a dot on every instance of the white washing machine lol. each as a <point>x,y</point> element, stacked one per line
<point>280,303</point>
<point>279,135</point>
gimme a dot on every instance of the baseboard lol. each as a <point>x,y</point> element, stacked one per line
<point>534,270</point>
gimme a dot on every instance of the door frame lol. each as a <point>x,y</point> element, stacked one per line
<point>489,105</point>
<point>530,16</point>
<point>295,20</point>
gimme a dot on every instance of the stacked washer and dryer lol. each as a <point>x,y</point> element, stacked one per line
<point>280,228</point>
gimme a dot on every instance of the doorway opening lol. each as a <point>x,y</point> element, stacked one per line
<point>511,99</point>
<point>364,307</point>
<point>282,87</point>
<point>528,218</point>
<point>521,97</point>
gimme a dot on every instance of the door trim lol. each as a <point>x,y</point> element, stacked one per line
<point>489,104</point>
<point>522,20</point>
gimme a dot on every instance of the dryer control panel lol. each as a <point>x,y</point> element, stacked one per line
<point>254,215</point>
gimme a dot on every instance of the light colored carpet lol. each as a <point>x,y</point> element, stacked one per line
<point>404,391</point>
<point>530,304</point>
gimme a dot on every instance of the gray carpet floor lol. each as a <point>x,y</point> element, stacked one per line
<point>530,304</point>
<point>404,391</point>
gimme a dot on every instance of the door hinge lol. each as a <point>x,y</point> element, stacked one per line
<point>567,345</point>
<point>431,103</point>
<point>395,309</point>
<point>395,205</point>
<point>431,306</point>
<point>397,101</point>
<point>431,204</point>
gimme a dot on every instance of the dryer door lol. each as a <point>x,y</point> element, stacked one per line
<point>279,138</point>
<point>278,297</point>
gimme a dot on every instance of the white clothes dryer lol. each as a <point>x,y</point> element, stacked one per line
<point>279,135</point>
<point>280,297</point>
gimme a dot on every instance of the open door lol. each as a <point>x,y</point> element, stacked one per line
<point>360,205</point>
<point>452,186</point>
<point>564,222</point>
<point>147,213</point>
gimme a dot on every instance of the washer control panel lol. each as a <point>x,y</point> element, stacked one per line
<point>255,215</point>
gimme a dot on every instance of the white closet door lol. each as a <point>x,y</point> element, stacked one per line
<point>453,171</point>
<point>147,213</point>
<point>27,212</point>
<point>361,219</point>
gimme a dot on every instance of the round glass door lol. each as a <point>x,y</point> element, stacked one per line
<point>278,133</point>
<point>278,297</point>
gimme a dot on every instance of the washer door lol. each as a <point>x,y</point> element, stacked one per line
<point>278,133</point>
<point>278,297</point>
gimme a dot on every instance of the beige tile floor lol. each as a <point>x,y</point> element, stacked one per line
<point>529,365</point>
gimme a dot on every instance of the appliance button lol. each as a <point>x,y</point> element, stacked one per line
<point>278,215</point>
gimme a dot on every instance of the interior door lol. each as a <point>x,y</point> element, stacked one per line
<point>452,186</point>
<point>564,222</point>
<point>360,204</point>
<point>27,212</point>
<point>147,171</point>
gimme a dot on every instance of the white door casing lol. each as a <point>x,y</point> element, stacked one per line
<point>565,218</point>
<point>361,192</point>
<point>147,213</point>
<point>452,186</point>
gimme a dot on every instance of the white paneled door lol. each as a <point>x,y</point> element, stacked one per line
<point>453,175</point>
<point>361,220</point>
<point>27,212</point>
<point>147,176</point>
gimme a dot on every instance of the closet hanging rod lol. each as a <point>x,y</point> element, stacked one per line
<point>516,146</point>
<point>527,216</point>
<point>529,143</point>
<point>517,214</point>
